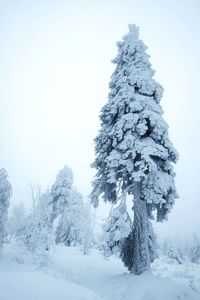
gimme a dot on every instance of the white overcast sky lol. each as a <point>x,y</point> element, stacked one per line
<point>55,62</point>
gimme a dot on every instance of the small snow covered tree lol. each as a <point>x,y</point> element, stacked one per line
<point>116,229</point>
<point>69,230</point>
<point>61,191</point>
<point>133,150</point>
<point>68,209</point>
<point>5,194</point>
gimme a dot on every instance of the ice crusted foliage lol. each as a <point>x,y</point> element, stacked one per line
<point>116,229</point>
<point>5,194</point>
<point>133,150</point>
<point>61,191</point>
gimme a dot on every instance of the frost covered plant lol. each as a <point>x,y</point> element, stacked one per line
<point>133,150</point>
<point>5,194</point>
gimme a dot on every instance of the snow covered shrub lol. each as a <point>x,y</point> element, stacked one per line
<point>5,194</point>
<point>173,253</point>
<point>133,151</point>
<point>37,232</point>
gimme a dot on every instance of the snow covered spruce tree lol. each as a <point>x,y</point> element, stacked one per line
<point>133,150</point>
<point>5,194</point>
<point>71,226</point>
<point>61,191</point>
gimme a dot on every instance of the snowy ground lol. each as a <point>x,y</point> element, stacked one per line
<point>73,276</point>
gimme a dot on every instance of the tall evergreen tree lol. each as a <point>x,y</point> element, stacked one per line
<point>133,150</point>
<point>5,194</point>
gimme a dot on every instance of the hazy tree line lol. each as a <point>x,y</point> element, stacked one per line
<point>59,215</point>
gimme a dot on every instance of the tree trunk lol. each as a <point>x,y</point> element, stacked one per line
<point>141,257</point>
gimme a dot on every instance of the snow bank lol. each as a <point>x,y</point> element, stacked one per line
<point>109,279</point>
<point>74,276</point>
